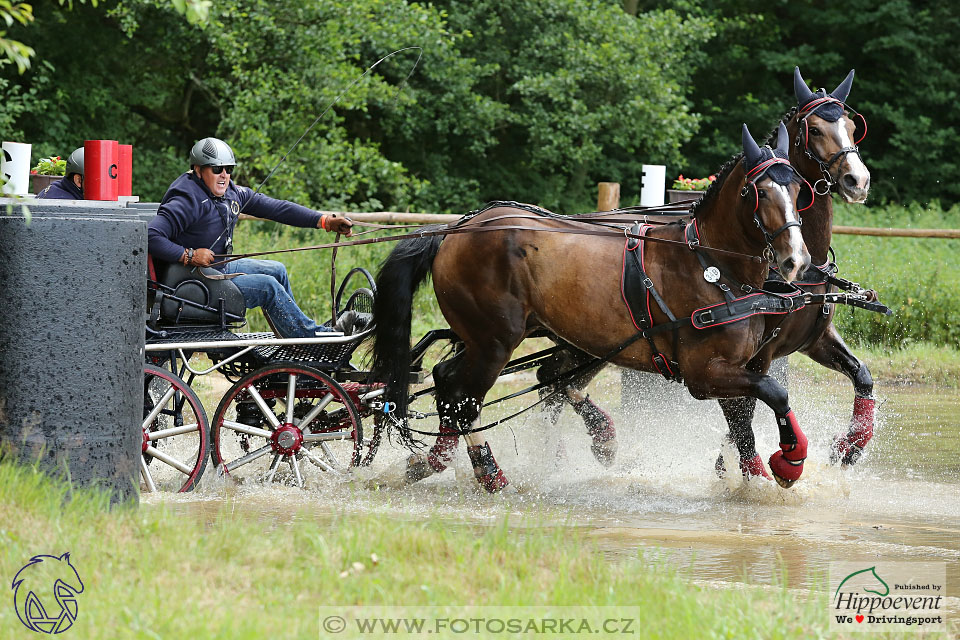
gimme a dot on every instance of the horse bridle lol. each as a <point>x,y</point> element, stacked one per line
<point>753,176</point>
<point>803,134</point>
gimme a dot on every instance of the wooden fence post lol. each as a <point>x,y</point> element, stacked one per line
<point>608,196</point>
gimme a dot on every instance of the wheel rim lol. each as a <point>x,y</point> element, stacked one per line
<point>286,424</point>
<point>175,433</point>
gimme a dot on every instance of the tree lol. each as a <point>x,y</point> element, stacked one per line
<point>906,82</point>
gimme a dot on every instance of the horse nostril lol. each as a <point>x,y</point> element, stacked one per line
<point>849,181</point>
<point>788,265</point>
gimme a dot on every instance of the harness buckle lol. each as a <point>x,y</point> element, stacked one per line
<point>648,283</point>
<point>706,317</point>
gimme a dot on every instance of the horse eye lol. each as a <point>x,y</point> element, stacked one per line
<point>814,131</point>
<point>761,193</point>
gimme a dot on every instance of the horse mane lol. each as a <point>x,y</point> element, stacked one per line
<point>711,193</point>
<point>771,139</point>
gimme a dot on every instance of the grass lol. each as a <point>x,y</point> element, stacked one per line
<point>914,364</point>
<point>151,573</point>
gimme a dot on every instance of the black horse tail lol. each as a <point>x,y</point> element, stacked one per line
<point>400,275</point>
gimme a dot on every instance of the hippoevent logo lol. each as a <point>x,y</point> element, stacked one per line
<point>887,596</point>
<point>45,593</point>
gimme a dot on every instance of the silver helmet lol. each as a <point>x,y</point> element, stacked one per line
<point>75,163</point>
<point>211,151</point>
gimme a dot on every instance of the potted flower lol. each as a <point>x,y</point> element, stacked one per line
<point>47,171</point>
<point>688,188</point>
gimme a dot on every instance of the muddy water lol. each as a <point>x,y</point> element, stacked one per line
<point>901,502</point>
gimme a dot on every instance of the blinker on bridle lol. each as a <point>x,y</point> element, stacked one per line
<point>753,176</point>
<point>803,133</point>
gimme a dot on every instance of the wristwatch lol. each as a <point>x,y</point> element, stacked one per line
<point>189,256</point>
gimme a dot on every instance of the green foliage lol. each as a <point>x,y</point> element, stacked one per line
<point>916,277</point>
<point>906,83</point>
<point>476,121</point>
<point>52,166</point>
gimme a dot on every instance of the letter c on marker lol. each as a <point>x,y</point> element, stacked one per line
<point>112,172</point>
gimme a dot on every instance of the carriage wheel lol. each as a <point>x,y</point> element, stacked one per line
<point>175,433</point>
<point>281,422</point>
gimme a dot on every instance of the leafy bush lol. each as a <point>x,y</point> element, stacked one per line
<point>916,277</point>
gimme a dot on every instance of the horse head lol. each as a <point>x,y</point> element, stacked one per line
<point>771,191</point>
<point>827,134</point>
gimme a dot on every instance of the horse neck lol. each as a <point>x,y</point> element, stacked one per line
<point>726,222</point>
<point>817,229</point>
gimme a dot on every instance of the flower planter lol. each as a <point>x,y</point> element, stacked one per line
<point>40,182</point>
<point>677,195</point>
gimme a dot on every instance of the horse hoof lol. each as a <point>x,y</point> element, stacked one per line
<point>753,468</point>
<point>785,472</point>
<point>418,468</point>
<point>494,482</point>
<point>605,452</point>
<point>719,467</point>
<point>783,482</point>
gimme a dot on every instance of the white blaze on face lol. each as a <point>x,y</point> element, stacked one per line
<point>794,237</point>
<point>858,170</point>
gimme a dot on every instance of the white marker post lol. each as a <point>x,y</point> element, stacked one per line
<point>653,185</point>
<point>15,167</point>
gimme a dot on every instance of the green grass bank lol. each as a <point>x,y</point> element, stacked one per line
<point>153,573</point>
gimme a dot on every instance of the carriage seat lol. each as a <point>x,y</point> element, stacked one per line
<point>186,295</point>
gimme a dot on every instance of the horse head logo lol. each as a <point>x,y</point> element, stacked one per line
<point>866,580</point>
<point>45,593</point>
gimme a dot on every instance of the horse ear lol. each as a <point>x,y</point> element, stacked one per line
<point>783,144</point>
<point>843,89</point>
<point>800,89</point>
<point>750,149</point>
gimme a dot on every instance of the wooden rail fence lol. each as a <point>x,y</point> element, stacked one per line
<point>608,198</point>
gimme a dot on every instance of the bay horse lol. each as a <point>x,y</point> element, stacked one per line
<point>497,286</point>
<point>825,135</point>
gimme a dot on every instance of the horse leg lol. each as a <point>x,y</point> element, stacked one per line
<point>739,415</point>
<point>831,351</point>
<point>729,381</point>
<point>598,422</point>
<point>461,387</point>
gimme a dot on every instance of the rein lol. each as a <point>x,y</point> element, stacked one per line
<point>476,228</point>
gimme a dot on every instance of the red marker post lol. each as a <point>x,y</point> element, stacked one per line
<point>126,170</point>
<point>101,170</point>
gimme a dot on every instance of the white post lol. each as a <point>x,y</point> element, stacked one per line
<point>16,167</point>
<point>653,185</point>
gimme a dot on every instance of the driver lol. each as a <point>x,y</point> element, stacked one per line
<point>70,187</point>
<point>196,220</point>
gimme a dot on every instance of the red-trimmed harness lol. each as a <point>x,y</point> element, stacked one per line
<point>803,134</point>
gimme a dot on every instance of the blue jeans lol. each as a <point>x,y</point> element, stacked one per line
<point>265,284</point>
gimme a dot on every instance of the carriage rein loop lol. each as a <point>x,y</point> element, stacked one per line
<point>803,135</point>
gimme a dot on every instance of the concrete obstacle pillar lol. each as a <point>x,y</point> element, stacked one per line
<point>72,306</point>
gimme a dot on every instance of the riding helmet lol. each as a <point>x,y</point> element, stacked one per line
<point>211,151</point>
<point>75,163</point>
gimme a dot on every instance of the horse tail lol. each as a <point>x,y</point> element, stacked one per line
<point>400,275</point>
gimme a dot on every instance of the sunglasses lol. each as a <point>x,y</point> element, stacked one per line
<point>221,168</point>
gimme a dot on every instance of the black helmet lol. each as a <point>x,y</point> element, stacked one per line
<point>75,163</point>
<point>211,151</point>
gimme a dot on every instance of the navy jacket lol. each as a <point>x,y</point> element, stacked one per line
<point>62,189</point>
<point>191,217</point>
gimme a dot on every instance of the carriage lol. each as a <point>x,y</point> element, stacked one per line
<point>291,402</point>
<point>292,407</point>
